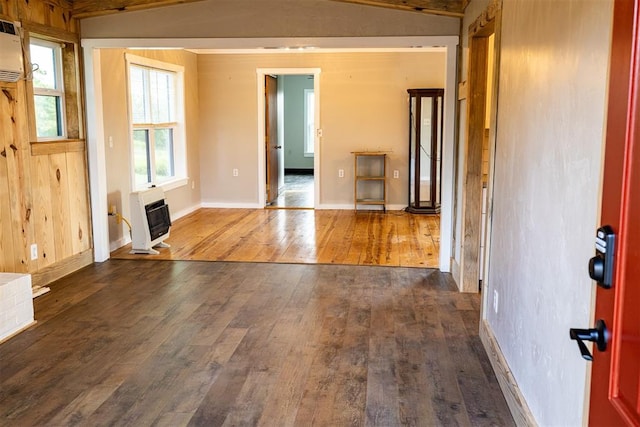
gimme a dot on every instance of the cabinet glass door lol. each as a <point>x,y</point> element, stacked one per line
<point>425,149</point>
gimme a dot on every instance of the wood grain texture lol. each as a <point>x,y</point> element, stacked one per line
<point>202,343</point>
<point>302,236</point>
<point>44,195</point>
<point>431,7</point>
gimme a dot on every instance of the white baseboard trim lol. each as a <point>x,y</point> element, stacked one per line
<point>185,212</point>
<point>231,205</point>
<point>515,400</point>
<point>117,244</point>
<point>349,207</point>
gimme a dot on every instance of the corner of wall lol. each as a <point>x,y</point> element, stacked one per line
<point>515,400</point>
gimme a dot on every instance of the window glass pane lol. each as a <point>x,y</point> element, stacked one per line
<point>141,162</point>
<point>162,96</point>
<point>164,154</point>
<point>44,57</point>
<point>48,117</point>
<point>139,92</point>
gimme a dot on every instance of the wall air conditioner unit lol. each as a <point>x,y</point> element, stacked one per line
<point>150,221</point>
<point>10,52</point>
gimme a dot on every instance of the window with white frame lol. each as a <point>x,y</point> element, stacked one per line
<point>48,89</point>
<point>309,122</point>
<point>157,122</point>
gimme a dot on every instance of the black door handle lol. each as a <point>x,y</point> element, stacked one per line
<point>598,335</point>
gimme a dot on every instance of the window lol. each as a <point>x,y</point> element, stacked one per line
<point>309,122</point>
<point>157,144</point>
<point>48,89</point>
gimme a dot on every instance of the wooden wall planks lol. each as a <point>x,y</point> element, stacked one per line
<point>44,197</point>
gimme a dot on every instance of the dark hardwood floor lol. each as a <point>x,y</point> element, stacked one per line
<point>173,343</point>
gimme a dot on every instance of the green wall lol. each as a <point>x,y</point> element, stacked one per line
<point>294,87</point>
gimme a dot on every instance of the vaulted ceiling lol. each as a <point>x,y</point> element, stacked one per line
<point>86,8</point>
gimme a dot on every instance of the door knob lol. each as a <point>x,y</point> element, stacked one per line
<point>598,335</point>
<point>277,147</point>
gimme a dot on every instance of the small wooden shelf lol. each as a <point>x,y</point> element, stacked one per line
<point>370,182</point>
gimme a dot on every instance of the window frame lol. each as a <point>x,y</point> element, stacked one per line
<point>73,123</point>
<point>178,126</point>
<point>58,92</point>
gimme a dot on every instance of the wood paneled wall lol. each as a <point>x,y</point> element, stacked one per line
<point>44,197</point>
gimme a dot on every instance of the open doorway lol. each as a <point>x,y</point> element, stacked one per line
<point>289,125</point>
<point>290,141</point>
<point>479,150</point>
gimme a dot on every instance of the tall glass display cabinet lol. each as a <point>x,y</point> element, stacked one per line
<point>425,149</point>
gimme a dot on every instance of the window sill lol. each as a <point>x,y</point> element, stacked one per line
<point>169,185</point>
<point>176,183</point>
<point>42,148</point>
<point>308,154</point>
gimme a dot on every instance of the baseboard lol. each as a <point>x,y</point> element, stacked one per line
<point>327,206</point>
<point>60,269</point>
<point>231,205</point>
<point>515,400</point>
<point>119,243</point>
<point>455,272</point>
<point>184,212</point>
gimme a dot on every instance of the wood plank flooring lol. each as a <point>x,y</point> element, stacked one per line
<point>302,236</point>
<point>172,343</point>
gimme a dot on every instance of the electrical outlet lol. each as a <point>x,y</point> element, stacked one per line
<point>340,173</point>
<point>34,251</point>
<point>396,174</point>
<point>235,172</point>
<point>495,301</point>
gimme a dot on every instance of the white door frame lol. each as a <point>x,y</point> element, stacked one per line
<point>262,159</point>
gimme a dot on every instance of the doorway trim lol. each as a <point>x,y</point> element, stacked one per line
<point>471,227</point>
<point>261,73</point>
<point>95,123</point>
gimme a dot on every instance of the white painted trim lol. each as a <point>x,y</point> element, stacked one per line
<point>184,212</point>
<point>261,73</point>
<point>96,155</point>
<point>448,150</point>
<point>329,206</point>
<point>124,241</point>
<point>224,205</point>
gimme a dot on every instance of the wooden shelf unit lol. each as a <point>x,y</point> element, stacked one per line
<point>370,179</point>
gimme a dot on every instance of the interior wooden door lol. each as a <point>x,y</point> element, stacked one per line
<point>271,137</point>
<point>615,383</point>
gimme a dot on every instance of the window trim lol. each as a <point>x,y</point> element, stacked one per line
<point>59,92</point>
<point>74,113</point>
<point>179,132</point>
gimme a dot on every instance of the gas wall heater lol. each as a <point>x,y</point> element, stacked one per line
<point>11,68</point>
<point>150,221</point>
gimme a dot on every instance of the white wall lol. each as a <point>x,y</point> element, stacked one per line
<point>551,107</point>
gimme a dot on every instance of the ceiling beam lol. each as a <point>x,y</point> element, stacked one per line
<point>453,8</point>
<point>87,8</point>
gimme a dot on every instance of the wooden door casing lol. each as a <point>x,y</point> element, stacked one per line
<point>271,137</point>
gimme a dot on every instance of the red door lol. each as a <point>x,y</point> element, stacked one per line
<point>615,382</point>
